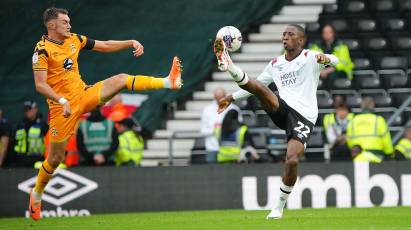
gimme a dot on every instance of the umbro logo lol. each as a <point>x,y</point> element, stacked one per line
<point>64,187</point>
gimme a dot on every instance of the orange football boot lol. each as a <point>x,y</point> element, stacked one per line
<point>34,207</point>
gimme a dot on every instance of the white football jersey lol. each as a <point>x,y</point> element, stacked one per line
<point>296,81</point>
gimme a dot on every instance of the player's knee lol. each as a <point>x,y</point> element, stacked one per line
<point>292,161</point>
<point>55,159</point>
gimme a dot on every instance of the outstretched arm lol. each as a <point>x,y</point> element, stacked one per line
<point>113,46</point>
<point>326,59</point>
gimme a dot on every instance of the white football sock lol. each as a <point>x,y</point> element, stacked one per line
<point>36,195</point>
<point>167,83</point>
<point>239,76</point>
<point>284,193</point>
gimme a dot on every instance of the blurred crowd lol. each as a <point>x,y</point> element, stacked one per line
<point>106,136</point>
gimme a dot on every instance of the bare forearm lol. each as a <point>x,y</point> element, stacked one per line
<point>47,91</point>
<point>113,46</point>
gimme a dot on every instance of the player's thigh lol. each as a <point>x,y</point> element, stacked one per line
<point>298,128</point>
<point>92,97</point>
<point>279,116</point>
<point>61,128</point>
<point>113,85</point>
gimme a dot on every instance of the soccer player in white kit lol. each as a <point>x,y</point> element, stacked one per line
<point>296,75</point>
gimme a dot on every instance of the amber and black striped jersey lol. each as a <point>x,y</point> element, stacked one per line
<point>59,59</point>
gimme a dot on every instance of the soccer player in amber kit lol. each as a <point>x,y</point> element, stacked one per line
<point>57,77</point>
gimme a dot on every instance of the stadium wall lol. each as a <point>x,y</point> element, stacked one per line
<point>185,28</point>
<point>85,191</point>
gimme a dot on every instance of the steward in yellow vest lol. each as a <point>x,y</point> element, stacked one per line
<point>403,148</point>
<point>131,144</point>
<point>330,45</point>
<point>29,135</point>
<point>370,131</point>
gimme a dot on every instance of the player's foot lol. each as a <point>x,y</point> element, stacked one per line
<point>220,51</point>
<point>34,207</point>
<point>175,74</point>
<point>275,214</point>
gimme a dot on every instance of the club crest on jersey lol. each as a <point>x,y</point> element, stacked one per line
<point>72,48</point>
<point>68,64</point>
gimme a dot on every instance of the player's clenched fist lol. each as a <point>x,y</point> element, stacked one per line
<point>138,48</point>
<point>322,59</point>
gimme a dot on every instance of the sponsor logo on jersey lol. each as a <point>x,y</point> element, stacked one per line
<point>68,64</point>
<point>288,79</point>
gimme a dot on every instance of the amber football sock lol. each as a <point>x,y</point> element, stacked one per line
<point>45,173</point>
<point>140,82</point>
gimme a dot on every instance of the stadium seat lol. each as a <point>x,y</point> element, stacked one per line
<point>380,96</point>
<point>393,24</point>
<point>392,63</point>
<point>375,43</point>
<point>324,99</point>
<point>381,6</point>
<point>398,96</point>
<point>405,5</point>
<point>263,120</point>
<point>362,63</point>
<point>365,25</point>
<point>248,118</point>
<point>354,6</point>
<point>352,98</point>
<point>340,83</point>
<point>394,80</point>
<point>340,25</point>
<point>366,79</point>
<point>330,9</point>
<point>312,27</point>
<point>316,138</point>
<point>353,44</point>
<point>401,45</point>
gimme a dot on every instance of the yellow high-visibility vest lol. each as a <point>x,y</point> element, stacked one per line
<point>404,147</point>
<point>130,148</point>
<point>370,131</point>
<point>230,150</point>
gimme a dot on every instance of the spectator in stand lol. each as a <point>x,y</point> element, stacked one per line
<point>403,148</point>
<point>236,144</point>
<point>210,121</point>
<point>29,135</point>
<point>5,133</point>
<point>97,139</point>
<point>130,149</point>
<point>370,131</point>
<point>331,45</point>
<point>336,130</point>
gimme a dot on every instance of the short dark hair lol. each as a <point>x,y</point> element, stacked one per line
<point>299,28</point>
<point>53,13</point>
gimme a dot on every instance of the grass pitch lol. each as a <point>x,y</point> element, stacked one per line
<point>330,218</point>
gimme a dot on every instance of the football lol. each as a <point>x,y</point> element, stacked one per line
<point>231,36</point>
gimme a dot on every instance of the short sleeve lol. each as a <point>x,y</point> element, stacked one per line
<point>40,60</point>
<point>85,42</point>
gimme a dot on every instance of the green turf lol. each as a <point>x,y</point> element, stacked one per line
<point>331,218</point>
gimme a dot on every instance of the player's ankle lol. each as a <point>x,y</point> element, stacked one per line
<point>37,195</point>
<point>167,82</point>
